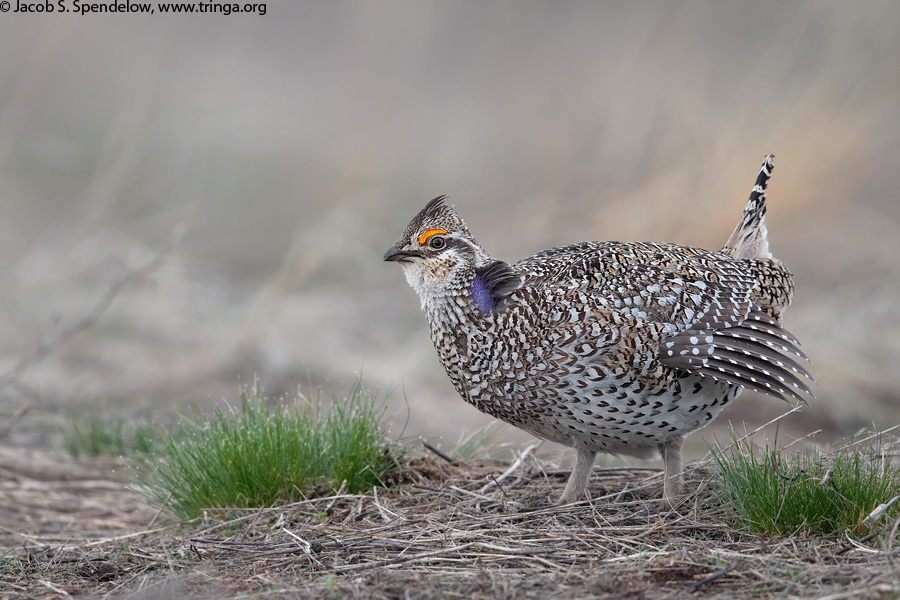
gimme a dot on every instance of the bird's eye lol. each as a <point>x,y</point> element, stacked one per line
<point>437,242</point>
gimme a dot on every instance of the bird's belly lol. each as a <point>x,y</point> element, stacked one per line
<point>621,423</point>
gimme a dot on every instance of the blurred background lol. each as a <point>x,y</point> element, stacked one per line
<point>278,156</point>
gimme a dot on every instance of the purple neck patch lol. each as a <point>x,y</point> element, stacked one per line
<point>481,295</point>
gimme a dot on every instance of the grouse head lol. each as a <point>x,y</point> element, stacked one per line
<point>441,260</point>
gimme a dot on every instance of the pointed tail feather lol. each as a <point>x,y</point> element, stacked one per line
<point>749,239</point>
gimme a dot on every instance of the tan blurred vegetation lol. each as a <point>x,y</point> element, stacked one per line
<point>291,149</point>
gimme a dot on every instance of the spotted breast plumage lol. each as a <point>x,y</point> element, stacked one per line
<point>613,347</point>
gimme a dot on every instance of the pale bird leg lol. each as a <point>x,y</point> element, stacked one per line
<point>578,480</point>
<point>672,484</point>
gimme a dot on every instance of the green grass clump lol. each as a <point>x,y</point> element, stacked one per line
<point>807,493</point>
<point>96,435</point>
<point>267,453</point>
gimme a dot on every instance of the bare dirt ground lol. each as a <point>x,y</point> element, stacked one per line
<point>73,529</point>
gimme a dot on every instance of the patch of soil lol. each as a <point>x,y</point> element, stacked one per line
<point>448,531</point>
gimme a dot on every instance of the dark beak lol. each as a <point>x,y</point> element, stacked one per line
<point>393,254</point>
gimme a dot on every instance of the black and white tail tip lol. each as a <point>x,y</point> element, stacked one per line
<point>750,238</point>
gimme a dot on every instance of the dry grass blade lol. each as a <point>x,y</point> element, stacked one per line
<point>13,419</point>
<point>512,468</point>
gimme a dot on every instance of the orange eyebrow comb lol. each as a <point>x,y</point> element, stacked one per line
<point>428,233</point>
